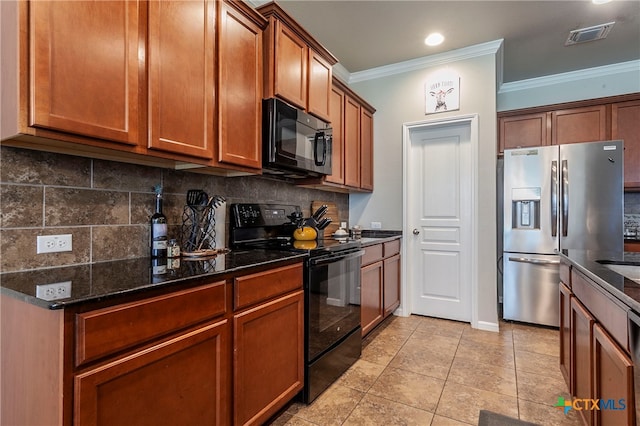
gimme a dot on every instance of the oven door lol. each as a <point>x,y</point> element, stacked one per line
<point>333,300</point>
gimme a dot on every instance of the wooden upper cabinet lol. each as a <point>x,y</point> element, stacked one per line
<point>587,124</point>
<point>351,142</point>
<point>366,149</point>
<point>319,99</point>
<point>290,80</point>
<point>337,143</point>
<point>625,125</point>
<point>298,69</point>
<point>85,71</point>
<point>240,87</point>
<point>182,77</point>
<point>523,131</point>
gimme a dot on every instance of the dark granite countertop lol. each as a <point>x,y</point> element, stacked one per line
<point>622,288</point>
<point>372,237</point>
<point>98,281</point>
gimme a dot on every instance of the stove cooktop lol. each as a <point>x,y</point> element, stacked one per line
<point>269,226</point>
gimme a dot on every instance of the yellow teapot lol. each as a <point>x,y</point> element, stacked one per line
<point>306,233</point>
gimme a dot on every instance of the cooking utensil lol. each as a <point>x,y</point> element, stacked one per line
<point>193,196</point>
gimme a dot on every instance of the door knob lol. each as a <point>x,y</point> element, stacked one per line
<point>415,231</point>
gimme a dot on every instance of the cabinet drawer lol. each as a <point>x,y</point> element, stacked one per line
<point>391,248</point>
<point>108,330</point>
<point>255,288</point>
<point>372,254</point>
<point>610,314</point>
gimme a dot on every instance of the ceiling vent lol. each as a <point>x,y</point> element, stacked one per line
<point>584,35</point>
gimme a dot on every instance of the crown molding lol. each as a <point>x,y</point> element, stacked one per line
<point>549,80</point>
<point>482,49</point>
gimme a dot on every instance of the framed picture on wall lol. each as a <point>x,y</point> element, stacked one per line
<point>442,93</point>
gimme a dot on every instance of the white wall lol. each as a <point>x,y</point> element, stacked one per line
<point>592,83</point>
<point>400,98</point>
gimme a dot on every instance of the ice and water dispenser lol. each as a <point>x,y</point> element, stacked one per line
<point>525,209</point>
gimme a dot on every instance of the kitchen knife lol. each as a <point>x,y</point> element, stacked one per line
<point>320,212</point>
<point>324,223</point>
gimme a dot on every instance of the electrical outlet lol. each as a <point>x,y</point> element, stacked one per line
<point>376,225</point>
<point>55,291</point>
<point>54,243</point>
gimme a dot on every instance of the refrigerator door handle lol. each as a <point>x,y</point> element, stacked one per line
<point>534,261</point>
<point>565,198</point>
<point>554,198</point>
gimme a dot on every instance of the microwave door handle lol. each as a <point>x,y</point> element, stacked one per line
<point>565,198</point>
<point>319,136</point>
<point>554,198</point>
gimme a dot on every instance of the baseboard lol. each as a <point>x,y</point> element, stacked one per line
<point>488,326</point>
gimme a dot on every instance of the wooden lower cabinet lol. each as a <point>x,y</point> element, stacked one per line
<point>632,246</point>
<point>595,364</point>
<point>391,293</point>
<point>192,356</point>
<point>380,283</point>
<point>184,380</point>
<point>612,381</point>
<point>582,363</point>
<point>268,358</point>
<point>371,277</point>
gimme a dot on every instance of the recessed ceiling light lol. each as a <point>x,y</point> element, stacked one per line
<point>434,39</point>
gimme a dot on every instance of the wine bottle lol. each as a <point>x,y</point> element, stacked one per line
<point>158,228</point>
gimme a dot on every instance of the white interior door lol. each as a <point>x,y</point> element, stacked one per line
<point>439,217</point>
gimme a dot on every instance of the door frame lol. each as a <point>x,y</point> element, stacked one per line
<point>470,120</point>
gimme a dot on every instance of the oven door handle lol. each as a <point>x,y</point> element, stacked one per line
<point>323,260</point>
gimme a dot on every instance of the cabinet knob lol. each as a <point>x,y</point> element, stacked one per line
<point>415,231</point>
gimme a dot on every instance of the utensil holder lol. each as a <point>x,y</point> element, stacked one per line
<point>198,232</point>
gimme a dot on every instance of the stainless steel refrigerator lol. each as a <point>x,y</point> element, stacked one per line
<point>556,197</point>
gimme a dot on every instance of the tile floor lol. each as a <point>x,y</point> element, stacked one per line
<point>426,371</point>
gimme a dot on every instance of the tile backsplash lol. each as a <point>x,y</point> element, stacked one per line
<point>632,214</point>
<point>106,205</point>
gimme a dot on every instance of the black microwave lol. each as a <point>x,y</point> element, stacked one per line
<point>296,144</point>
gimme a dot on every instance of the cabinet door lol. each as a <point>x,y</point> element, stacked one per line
<point>181,381</point>
<point>85,68</point>
<point>337,145</point>
<point>181,60</point>
<point>371,296</point>
<point>581,352</point>
<point>366,149</point>
<point>565,334</point>
<point>290,66</point>
<point>625,125</point>
<point>525,130</point>
<point>351,142</point>
<point>612,381</point>
<point>240,87</point>
<point>319,101</point>
<point>576,125</point>
<point>391,284</point>
<point>268,357</point>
